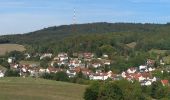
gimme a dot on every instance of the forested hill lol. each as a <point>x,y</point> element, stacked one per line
<point>94,35</point>
<point>63,31</point>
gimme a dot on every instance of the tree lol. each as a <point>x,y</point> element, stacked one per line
<point>48,76</point>
<point>61,76</point>
<point>110,91</point>
<point>80,74</point>
<point>17,54</point>
<point>5,64</point>
<point>12,73</point>
<point>92,91</point>
<point>130,90</point>
<point>158,91</point>
<point>44,62</point>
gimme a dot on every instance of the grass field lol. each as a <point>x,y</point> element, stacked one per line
<point>158,51</point>
<point>39,89</point>
<point>2,68</point>
<point>29,62</point>
<point>166,59</point>
<point>10,47</point>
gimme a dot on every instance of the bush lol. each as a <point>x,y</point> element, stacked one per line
<point>12,73</point>
<point>48,76</point>
<point>92,92</point>
<point>61,76</point>
<point>110,91</point>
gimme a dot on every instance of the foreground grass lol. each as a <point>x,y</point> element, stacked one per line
<point>10,47</point>
<point>39,89</point>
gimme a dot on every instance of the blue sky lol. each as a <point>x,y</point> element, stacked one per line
<point>21,16</point>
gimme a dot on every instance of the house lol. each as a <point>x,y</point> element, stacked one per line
<point>60,63</point>
<point>142,68</point>
<point>42,70</point>
<point>56,58</point>
<point>15,66</point>
<point>96,65</point>
<point>1,74</point>
<point>71,73</point>
<point>100,76</point>
<point>52,70</point>
<point>27,55</point>
<point>107,62</point>
<point>105,55</point>
<point>165,82</point>
<point>24,69</point>
<point>123,74</point>
<point>11,60</point>
<point>110,73</point>
<point>46,55</point>
<point>62,54</point>
<point>74,62</point>
<point>146,83</point>
<point>150,69</point>
<point>33,73</point>
<point>131,70</point>
<point>88,55</point>
<point>162,62</point>
<point>150,63</point>
<point>63,58</point>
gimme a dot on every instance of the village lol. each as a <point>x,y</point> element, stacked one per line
<point>89,65</point>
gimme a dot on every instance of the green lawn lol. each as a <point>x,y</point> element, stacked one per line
<point>39,89</point>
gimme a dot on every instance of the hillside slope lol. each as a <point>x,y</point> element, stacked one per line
<point>60,32</point>
<point>90,37</point>
<point>39,89</point>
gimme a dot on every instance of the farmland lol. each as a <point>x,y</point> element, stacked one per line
<point>39,89</point>
<point>4,48</point>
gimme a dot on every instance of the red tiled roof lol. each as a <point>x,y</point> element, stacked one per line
<point>165,82</point>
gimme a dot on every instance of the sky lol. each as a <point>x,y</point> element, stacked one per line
<point>22,16</point>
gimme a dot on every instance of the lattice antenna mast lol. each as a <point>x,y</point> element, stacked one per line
<point>74,17</point>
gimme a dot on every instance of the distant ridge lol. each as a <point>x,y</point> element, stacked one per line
<point>60,32</point>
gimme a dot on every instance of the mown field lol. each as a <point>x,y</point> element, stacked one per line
<point>29,62</point>
<point>39,89</point>
<point>10,47</point>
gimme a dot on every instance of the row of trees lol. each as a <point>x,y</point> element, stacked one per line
<point>124,90</point>
<point>62,76</point>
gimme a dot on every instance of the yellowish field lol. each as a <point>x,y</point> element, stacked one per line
<point>10,47</point>
<point>166,59</point>
<point>158,51</point>
<point>2,68</point>
<point>39,89</point>
<point>29,62</point>
<point>131,45</point>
